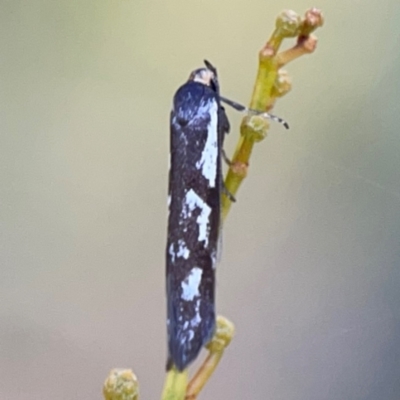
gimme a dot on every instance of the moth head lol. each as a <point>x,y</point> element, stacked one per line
<point>203,75</point>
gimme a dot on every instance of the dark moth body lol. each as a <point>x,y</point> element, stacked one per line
<point>198,124</point>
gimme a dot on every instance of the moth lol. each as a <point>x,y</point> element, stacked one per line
<point>198,124</point>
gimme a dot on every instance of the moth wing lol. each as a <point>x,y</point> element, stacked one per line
<point>194,221</point>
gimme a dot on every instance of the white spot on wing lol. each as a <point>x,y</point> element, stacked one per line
<point>189,326</point>
<point>190,335</point>
<point>196,319</point>
<point>171,252</point>
<point>190,286</point>
<point>209,156</point>
<point>183,251</point>
<point>192,201</point>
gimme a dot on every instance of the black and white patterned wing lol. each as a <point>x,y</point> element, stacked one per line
<point>195,183</point>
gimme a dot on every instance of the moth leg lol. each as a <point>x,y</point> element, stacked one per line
<point>224,125</point>
<point>227,160</point>
<point>227,193</point>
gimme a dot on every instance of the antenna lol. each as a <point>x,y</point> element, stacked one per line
<point>240,107</point>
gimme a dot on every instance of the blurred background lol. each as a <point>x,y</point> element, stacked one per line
<point>310,272</point>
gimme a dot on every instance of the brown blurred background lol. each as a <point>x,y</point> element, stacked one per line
<point>310,272</point>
